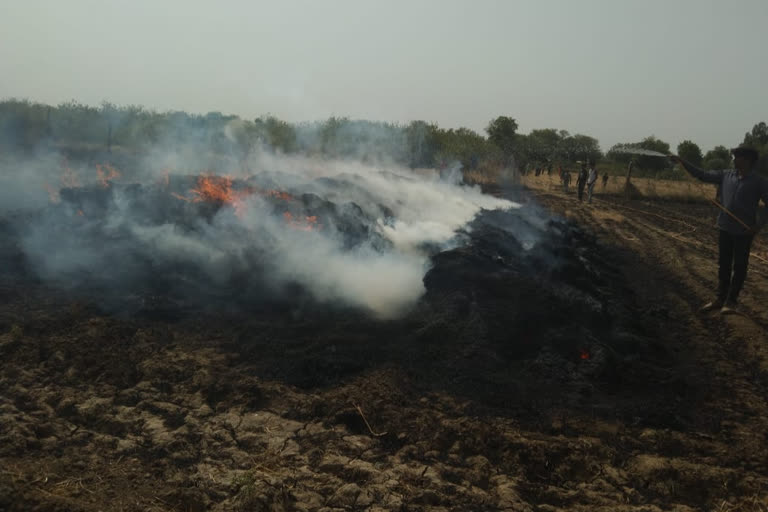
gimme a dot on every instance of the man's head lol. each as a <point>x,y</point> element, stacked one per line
<point>744,157</point>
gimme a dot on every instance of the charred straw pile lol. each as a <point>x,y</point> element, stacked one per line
<point>515,300</point>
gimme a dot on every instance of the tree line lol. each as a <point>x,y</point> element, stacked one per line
<point>29,126</point>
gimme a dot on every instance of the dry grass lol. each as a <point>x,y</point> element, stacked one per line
<point>680,190</point>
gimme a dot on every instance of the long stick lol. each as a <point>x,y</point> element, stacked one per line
<point>732,215</point>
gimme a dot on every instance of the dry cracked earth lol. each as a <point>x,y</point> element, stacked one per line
<point>587,382</point>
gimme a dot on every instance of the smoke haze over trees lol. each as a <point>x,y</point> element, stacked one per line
<point>29,127</point>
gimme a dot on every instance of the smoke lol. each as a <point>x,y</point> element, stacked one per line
<point>342,232</point>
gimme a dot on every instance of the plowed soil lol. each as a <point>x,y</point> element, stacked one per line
<point>585,380</point>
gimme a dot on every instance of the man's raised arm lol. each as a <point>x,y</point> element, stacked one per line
<point>715,177</point>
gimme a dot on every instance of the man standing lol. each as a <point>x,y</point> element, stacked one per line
<point>566,180</point>
<point>581,181</point>
<point>591,180</point>
<point>741,189</point>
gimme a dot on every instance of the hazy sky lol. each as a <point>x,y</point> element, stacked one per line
<point>617,70</point>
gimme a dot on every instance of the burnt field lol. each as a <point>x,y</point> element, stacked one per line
<point>553,358</point>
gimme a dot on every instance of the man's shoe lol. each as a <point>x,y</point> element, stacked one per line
<point>711,306</point>
<point>730,308</point>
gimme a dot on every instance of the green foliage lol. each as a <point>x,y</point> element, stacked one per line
<point>758,138</point>
<point>717,158</point>
<point>543,147</point>
<point>27,126</point>
<point>579,147</point>
<point>421,140</point>
<point>652,163</point>
<point>274,132</point>
<point>689,151</point>
<point>501,132</point>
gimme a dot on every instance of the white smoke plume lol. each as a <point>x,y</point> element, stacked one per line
<point>353,233</point>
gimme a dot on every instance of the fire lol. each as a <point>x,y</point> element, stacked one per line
<point>285,196</point>
<point>68,180</point>
<point>105,178</point>
<point>53,194</point>
<point>584,355</point>
<point>214,188</point>
<point>308,223</point>
<point>68,177</point>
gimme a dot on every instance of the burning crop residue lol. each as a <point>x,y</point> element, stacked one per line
<point>334,232</point>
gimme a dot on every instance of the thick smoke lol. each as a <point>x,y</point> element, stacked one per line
<point>340,232</point>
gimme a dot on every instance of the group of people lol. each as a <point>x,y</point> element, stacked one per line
<point>739,192</point>
<point>587,178</point>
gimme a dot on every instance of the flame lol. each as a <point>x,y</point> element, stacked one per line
<point>218,189</point>
<point>285,196</point>
<point>69,178</point>
<point>584,354</point>
<point>80,213</point>
<point>105,178</point>
<point>53,194</point>
<point>308,223</point>
<point>212,188</point>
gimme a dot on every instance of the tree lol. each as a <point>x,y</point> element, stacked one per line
<point>579,147</point>
<point>421,141</point>
<point>717,158</point>
<point>649,162</point>
<point>758,137</point>
<point>278,134</point>
<point>688,150</point>
<point>501,132</point>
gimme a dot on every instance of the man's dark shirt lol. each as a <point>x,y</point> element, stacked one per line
<point>739,195</point>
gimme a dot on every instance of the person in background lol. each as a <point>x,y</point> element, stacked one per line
<point>581,181</point>
<point>566,177</point>
<point>591,180</point>
<point>605,179</point>
<point>740,190</point>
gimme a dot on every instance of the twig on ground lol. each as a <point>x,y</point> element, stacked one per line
<point>360,412</point>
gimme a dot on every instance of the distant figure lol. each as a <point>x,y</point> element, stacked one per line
<point>605,180</point>
<point>591,180</point>
<point>741,191</point>
<point>581,181</point>
<point>566,177</point>
<point>627,189</point>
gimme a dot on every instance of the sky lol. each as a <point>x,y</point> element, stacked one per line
<point>617,70</point>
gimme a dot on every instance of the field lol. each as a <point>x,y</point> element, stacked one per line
<point>578,378</point>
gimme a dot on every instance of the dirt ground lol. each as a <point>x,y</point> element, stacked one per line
<point>266,412</point>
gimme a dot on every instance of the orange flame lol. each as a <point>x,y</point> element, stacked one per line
<point>53,194</point>
<point>214,188</point>
<point>69,178</point>
<point>308,223</point>
<point>584,354</point>
<point>285,196</point>
<point>105,178</point>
